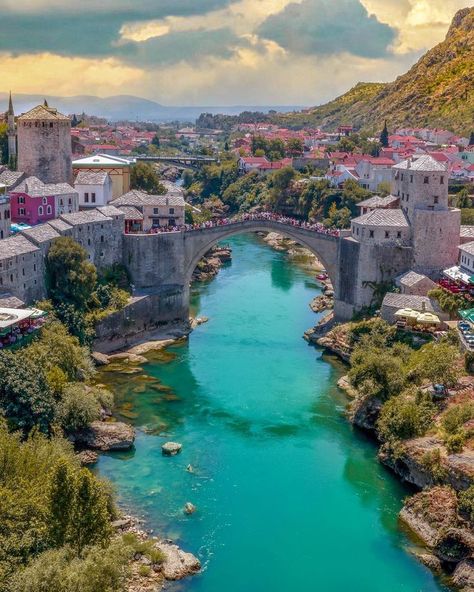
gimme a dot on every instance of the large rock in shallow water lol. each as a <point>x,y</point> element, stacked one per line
<point>177,564</point>
<point>463,576</point>
<point>106,436</point>
<point>171,448</point>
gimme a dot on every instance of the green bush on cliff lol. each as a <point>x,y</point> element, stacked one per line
<point>406,416</point>
<point>455,442</point>
<point>456,416</point>
<point>466,502</point>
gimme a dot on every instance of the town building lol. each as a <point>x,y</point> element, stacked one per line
<point>119,170</point>
<point>156,210</point>
<point>5,216</point>
<point>21,268</point>
<point>34,202</point>
<point>415,284</point>
<point>392,303</point>
<point>94,188</point>
<point>44,144</point>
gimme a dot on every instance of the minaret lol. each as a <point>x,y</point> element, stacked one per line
<point>12,153</point>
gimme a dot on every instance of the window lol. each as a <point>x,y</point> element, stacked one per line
<point>70,201</point>
<point>40,211</point>
<point>426,180</point>
<point>49,210</point>
<point>93,197</point>
<point>51,124</point>
<point>61,203</point>
<point>436,199</point>
<point>441,181</point>
<point>402,176</point>
<point>371,233</point>
<point>399,234</point>
<point>408,197</point>
<point>45,200</point>
<point>102,238</point>
<point>21,211</point>
<point>155,211</point>
<point>21,200</point>
<point>171,210</point>
<point>411,178</point>
<point>86,197</point>
<point>387,234</point>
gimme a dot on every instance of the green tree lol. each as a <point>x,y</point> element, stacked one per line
<point>384,136</point>
<point>448,301</point>
<point>294,147</point>
<point>338,218</point>
<point>70,276</point>
<point>156,141</point>
<point>384,188</point>
<point>144,177</point>
<point>405,416</point>
<point>62,499</point>
<point>462,199</point>
<point>436,362</point>
<point>26,399</point>
<point>90,522</point>
<point>4,156</point>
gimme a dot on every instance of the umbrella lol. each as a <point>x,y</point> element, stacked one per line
<point>407,313</point>
<point>428,318</point>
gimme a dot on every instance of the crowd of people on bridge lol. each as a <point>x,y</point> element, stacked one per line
<point>261,216</point>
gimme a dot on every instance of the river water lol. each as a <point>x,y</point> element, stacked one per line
<point>288,496</point>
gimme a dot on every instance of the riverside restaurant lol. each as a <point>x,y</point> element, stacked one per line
<point>18,324</point>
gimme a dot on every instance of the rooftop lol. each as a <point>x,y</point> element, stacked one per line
<point>110,211</point>
<point>33,187</point>
<point>410,301</point>
<point>424,163</point>
<point>140,199</point>
<point>467,231</point>
<point>131,213</point>
<point>43,112</point>
<point>84,217</point>
<point>10,178</point>
<point>381,217</point>
<point>378,202</point>
<point>411,278</point>
<point>92,178</point>
<point>101,160</point>
<point>16,245</point>
<point>59,225</point>
<point>41,233</point>
<point>467,248</point>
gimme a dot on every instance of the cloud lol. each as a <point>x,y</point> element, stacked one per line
<point>420,24</point>
<point>45,73</point>
<point>325,27</point>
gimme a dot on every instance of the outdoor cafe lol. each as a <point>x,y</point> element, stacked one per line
<point>17,324</point>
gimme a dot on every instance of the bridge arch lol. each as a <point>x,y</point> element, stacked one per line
<point>198,243</point>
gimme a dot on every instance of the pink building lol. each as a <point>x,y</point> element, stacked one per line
<point>34,202</point>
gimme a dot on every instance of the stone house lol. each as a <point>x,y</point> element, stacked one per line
<point>5,215</point>
<point>94,188</point>
<point>394,302</point>
<point>415,284</point>
<point>21,268</point>
<point>157,210</point>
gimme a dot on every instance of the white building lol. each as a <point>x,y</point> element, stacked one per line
<point>373,172</point>
<point>94,188</point>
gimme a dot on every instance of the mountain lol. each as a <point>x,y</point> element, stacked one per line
<point>125,107</point>
<point>438,91</point>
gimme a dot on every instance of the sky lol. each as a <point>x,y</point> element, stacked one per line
<point>214,52</point>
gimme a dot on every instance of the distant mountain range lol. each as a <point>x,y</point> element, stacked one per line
<point>438,91</point>
<point>125,107</point>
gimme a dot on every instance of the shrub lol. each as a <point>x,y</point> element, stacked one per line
<point>433,463</point>
<point>103,570</point>
<point>435,362</point>
<point>144,570</point>
<point>78,407</point>
<point>466,502</point>
<point>404,417</point>
<point>376,372</point>
<point>455,442</point>
<point>456,416</point>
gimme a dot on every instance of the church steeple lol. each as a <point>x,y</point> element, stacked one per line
<point>10,106</point>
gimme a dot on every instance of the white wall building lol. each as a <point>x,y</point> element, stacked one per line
<point>94,188</point>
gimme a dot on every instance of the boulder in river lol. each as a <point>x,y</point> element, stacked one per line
<point>105,436</point>
<point>177,563</point>
<point>87,457</point>
<point>171,448</point>
<point>189,508</point>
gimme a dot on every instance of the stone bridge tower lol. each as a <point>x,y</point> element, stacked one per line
<point>44,144</point>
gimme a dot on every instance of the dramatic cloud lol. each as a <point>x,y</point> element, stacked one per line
<point>325,27</point>
<point>214,51</point>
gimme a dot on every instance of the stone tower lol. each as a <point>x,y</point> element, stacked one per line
<point>44,144</point>
<point>422,186</point>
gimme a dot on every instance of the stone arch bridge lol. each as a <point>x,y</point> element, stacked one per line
<point>162,264</point>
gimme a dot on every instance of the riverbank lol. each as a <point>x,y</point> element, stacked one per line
<point>439,517</point>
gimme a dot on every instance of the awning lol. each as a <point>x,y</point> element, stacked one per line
<point>428,318</point>
<point>467,315</point>
<point>407,313</point>
<point>456,274</point>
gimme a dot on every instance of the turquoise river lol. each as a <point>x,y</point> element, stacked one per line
<point>289,497</point>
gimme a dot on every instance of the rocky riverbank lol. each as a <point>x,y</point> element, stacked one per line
<point>435,516</point>
<point>209,266</point>
<point>297,253</point>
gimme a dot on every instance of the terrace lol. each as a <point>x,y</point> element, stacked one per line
<point>18,325</point>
